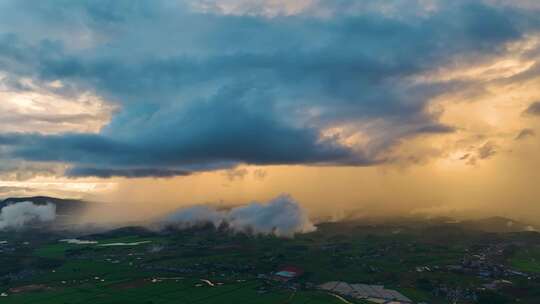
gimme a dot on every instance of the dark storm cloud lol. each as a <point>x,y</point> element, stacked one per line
<point>132,173</point>
<point>202,91</point>
<point>211,132</point>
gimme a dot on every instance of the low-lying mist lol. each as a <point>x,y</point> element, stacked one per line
<point>281,216</point>
<point>20,215</point>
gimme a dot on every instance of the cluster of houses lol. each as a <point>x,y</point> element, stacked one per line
<point>487,263</point>
<point>456,294</point>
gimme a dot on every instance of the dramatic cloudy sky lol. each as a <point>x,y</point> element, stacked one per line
<point>401,105</point>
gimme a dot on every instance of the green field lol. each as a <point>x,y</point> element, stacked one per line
<point>38,268</point>
<point>527,260</point>
<point>183,291</point>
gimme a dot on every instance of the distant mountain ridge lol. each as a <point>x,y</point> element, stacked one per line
<point>64,207</point>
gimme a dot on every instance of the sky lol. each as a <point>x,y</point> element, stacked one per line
<point>376,107</point>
